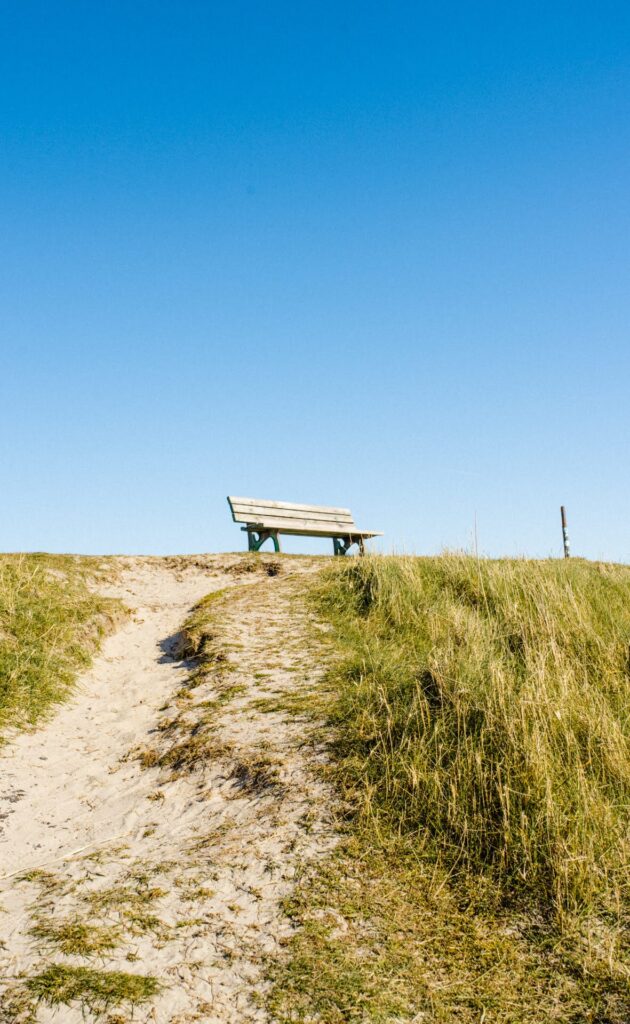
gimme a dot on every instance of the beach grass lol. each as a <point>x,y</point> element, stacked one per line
<point>476,719</point>
<point>51,623</point>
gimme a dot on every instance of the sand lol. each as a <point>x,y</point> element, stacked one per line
<point>187,866</point>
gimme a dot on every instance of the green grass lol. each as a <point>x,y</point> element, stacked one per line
<point>74,937</point>
<point>94,990</point>
<point>50,625</point>
<point>485,705</point>
<point>480,737</point>
<point>384,936</point>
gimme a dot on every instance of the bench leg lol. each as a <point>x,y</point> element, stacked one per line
<point>256,540</point>
<point>341,545</point>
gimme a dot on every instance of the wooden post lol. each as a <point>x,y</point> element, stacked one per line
<point>565,532</point>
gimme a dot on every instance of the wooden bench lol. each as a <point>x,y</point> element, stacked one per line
<point>266,520</point>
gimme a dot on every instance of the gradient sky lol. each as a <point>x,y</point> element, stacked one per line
<point>359,254</point>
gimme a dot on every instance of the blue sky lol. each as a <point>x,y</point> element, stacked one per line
<point>361,253</point>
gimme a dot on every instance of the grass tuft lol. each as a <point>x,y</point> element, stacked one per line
<point>96,991</point>
<point>74,937</point>
<point>198,640</point>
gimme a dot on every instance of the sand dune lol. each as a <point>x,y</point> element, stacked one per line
<point>186,868</point>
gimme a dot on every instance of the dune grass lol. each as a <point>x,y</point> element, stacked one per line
<point>50,624</point>
<point>481,737</point>
<point>485,704</point>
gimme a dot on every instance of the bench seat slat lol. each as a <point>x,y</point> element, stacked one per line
<point>271,523</point>
<point>314,530</point>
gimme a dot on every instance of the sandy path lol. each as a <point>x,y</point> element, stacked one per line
<point>184,864</point>
<point>71,789</point>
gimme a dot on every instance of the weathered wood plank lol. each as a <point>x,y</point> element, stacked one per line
<point>282,512</point>
<point>248,513</point>
<point>313,531</point>
<point>270,522</point>
<point>261,503</point>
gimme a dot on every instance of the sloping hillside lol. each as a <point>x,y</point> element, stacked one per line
<point>291,789</point>
<point>150,832</point>
<point>481,734</point>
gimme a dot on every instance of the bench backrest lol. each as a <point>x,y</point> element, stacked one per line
<point>277,514</point>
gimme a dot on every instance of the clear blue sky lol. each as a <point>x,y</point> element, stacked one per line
<point>349,253</point>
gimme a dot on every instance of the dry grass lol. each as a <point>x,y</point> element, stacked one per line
<point>50,625</point>
<point>384,936</point>
<point>75,937</point>
<point>476,718</point>
<point>198,638</point>
<point>484,705</point>
<point>256,563</point>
